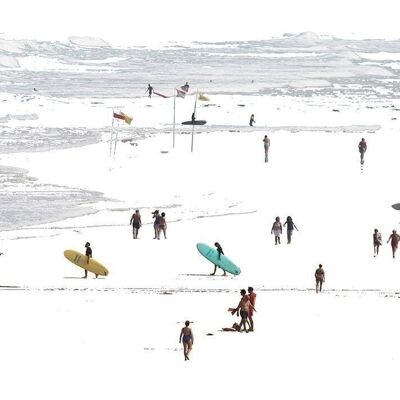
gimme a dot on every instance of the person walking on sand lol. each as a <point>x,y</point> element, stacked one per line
<point>252,299</point>
<point>319,278</point>
<point>162,226</point>
<point>88,254</point>
<point>220,251</point>
<point>243,308</point>
<point>136,223</point>
<point>277,230</point>
<point>156,224</point>
<point>377,238</point>
<point>267,143</point>
<point>362,148</point>
<point>150,90</point>
<point>186,337</point>
<point>394,239</point>
<point>252,120</point>
<point>290,225</point>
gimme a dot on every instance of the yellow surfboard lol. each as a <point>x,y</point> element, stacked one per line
<point>80,260</point>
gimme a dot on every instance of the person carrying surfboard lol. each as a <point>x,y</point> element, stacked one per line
<point>88,254</point>
<point>186,337</point>
<point>220,251</point>
<point>136,223</point>
<point>150,90</point>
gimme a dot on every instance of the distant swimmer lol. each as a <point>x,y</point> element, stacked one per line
<point>267,144</point>
<point>149,89</point>
<point>34,89</point>
<point>277,230</point>
<point>252,120</point>
<point>186,337</point>
<point>394,239</point>
<point>185,87</point>
<point>220,251</point>
<point>290,226</point>
<point>377,238</point>
<point>362,148</point>
<point>88,254</point>
<point>193,117</point>
<point>162,226</point>
<point>319,278</point>
<point>136,223</point>
<point>156,224</point>
<point>252,299</point>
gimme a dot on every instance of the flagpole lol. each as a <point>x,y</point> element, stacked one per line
<point>173,128</point>
<point>194,112</point>
<point>112,132</point>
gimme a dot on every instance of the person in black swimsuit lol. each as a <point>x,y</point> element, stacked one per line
<point>220,251</point>
<point>88,254</point>
<point>187,338</point>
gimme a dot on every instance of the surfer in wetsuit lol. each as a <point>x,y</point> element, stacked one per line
<point>267,143</point>
<point>156,216</point>
<point>185,87</point>
<point>88,254</point>
<point>149,89</point>
<point>193,118</point>
<point>252,120</point>
<point>362,148</point>
<point>319,278</point>
<point>186,337</point>
<point>220,251</point>
<point>136,223</point>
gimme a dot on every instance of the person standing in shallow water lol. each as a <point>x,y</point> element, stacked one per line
<point>136,223</point>
<point>377,238</point>
<point>277,230</point>
<point>319,278</point>
<point>289,228</point>
<point>362,148</point>
<point>394,239</point>
<point>220,251</point>
<point>267,143</point>
<point>252,120</point>
<point>186,337</point>
<point>88,254</point>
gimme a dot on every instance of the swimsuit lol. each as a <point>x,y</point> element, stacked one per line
<point>187,338</point>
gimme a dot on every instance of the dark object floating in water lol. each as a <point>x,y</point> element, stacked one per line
<point>241,105</point>
<point>396,206</point>
<point>210,334</point>
<point>335,110</point>
<point>199,122</point>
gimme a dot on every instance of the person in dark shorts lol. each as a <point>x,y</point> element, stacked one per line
<point>243,309</point>
<point>252,120</point>
<point>150,90</point>
<point>319,278</point>
<point>162,226</point>
<point>88,254</point>
<point>377,239</point>
<point>394,239</point>
<point>136,223</point>
<point>186,337</point>
<point>156,224</point>
<point>290,226</point>
<point>252,299</point>
<point>220,251</point>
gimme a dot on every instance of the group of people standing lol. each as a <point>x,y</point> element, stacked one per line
<point>277,229</point>
<point>159,224</point>
<point>394,240</point>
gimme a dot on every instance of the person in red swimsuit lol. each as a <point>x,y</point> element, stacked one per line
<point>252,299</point>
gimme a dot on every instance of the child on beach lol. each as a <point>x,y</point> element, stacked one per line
<point>162,226</point>
<point>377,239</point>
<point>220,251</point>
<point>290,227</point>
<point>277,230</point>
<point>136,223</point>
<point>187,338</point>
<point>88,254</point>
<point>394,239</point>
<point>319,278</point>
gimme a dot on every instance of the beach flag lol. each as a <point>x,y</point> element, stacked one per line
<point>180,93</point>
<point>123,116</point>
<point>203,97</point>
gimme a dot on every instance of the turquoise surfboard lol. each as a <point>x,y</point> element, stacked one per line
<point>212,255</point>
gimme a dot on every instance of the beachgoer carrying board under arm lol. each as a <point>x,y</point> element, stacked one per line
<point>88,254</point>
<point>220,251</point>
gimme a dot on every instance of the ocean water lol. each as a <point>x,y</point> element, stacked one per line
<point>40,81</point>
